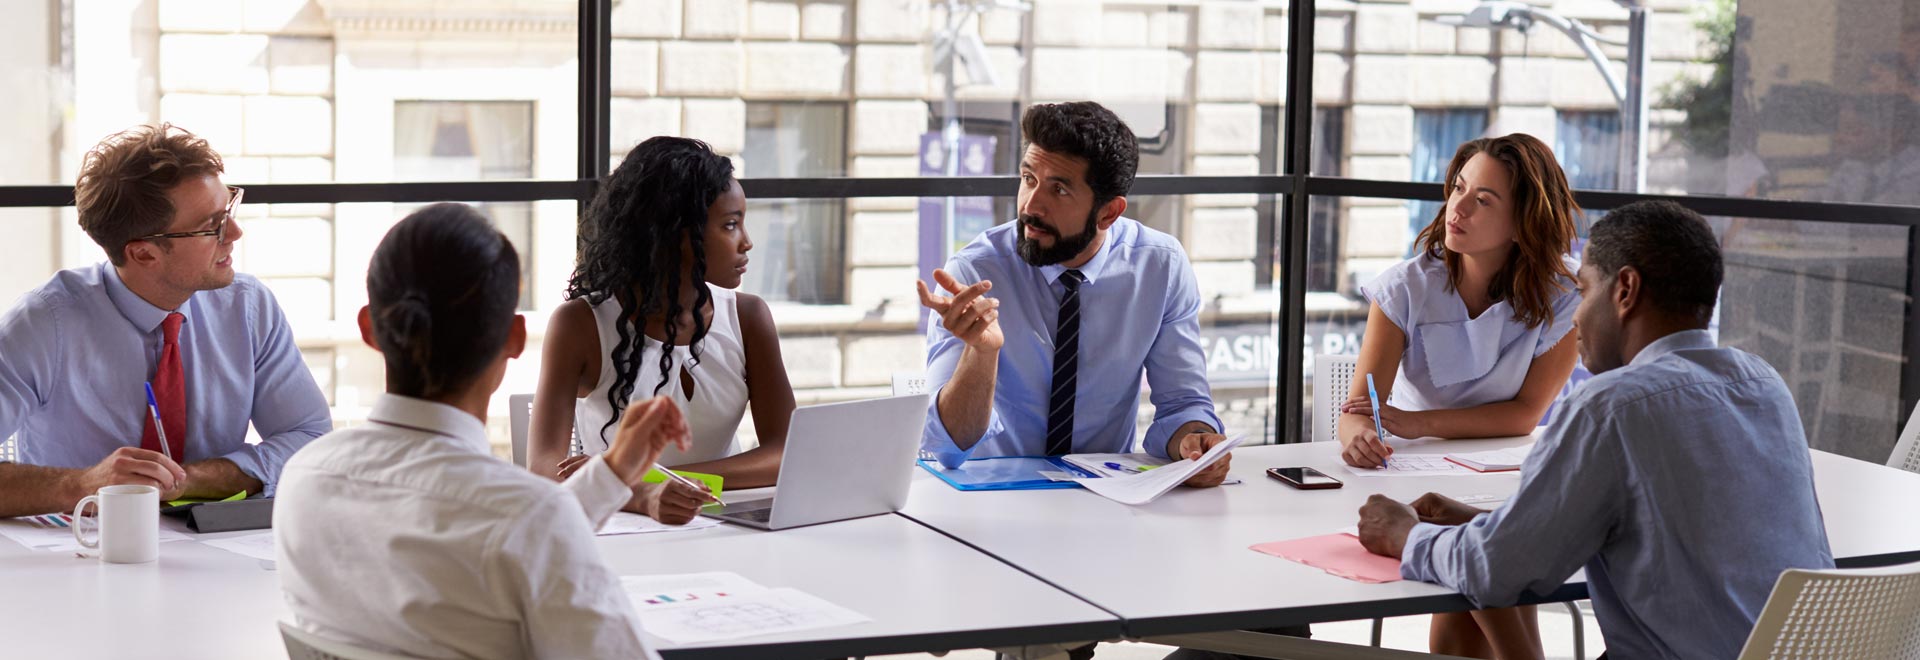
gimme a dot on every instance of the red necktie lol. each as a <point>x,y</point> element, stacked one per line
<point>170,391</point>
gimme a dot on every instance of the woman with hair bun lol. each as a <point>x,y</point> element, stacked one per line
<point>405,534</point>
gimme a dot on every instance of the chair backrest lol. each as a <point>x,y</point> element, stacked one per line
<point>302,645</point>
<point>1843,613</point>
<point>1332,380</point>
<point>9,450</point>
<point>1906,452</point>
<point>912,382</point>
<point>909,382</point>
<point>519,417</point>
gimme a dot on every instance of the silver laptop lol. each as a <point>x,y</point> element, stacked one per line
<point>842,460</point>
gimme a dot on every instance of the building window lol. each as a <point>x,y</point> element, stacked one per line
<point>1437,135</point>
<point>1324,253</point>
<point>799,251</point>
<point>999,120</point>
<point>1588,144</point>
<point>466,141</point>
<point>1164,150</point>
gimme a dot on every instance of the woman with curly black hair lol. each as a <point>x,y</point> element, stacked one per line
<point>651,310</point>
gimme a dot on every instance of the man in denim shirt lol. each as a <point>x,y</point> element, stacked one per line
<point>1679,476</point>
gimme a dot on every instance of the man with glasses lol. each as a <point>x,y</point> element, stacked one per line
<point>166,311</point>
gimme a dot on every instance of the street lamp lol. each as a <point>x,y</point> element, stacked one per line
<point>1630,96</point>
<point>953,43</point>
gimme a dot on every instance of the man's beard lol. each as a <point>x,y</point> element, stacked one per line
<point>1064,248</point>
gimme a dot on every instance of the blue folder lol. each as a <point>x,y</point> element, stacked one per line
<point>1005,473</point>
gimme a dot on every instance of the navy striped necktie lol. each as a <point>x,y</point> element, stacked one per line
<point>1066,364</point>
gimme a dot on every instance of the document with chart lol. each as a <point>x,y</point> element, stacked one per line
<point>1414,465</point>
<point>1403,464</point>
<point>708,607</point>
<point>1143,487</point>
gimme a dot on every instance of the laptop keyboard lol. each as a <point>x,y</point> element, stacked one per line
<point>756,515</point>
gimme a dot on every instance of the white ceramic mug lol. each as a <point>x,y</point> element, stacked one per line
<point>128,523</point>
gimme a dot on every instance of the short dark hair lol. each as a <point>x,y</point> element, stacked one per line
<point>443,288</point>
<point>1671,247</point>
<point>1090,132</point>
<point>122,190</point>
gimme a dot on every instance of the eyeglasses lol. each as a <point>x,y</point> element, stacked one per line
<point>219,230</point>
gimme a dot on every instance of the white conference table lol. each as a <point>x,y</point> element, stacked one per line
<point>1181,564</point>
<point>956,570</point>
<point>922,590</point>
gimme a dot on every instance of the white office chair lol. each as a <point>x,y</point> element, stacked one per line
<point>302,645</point>
<point>1906,452</point>
<point>519,419</point>
<point>1332,381</point>
<point>1840,614</point>
<point>1332,378</point>
<point>909,382</point>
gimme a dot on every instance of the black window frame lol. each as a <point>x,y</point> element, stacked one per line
<point>1296,182</point>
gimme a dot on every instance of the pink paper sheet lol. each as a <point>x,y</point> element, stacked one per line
<point>1338,554</point>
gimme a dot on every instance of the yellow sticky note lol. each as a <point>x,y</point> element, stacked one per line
<point>230,498</point>
<point>712,481</point>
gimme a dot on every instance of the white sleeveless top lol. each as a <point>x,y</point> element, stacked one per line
<point>719,384</point>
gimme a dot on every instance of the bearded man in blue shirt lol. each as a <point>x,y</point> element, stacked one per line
<point>1044,326</point>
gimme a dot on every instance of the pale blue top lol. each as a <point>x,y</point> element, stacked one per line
<point>1139,311</point>
<point>1453,361</point>
<point>1682,482</point>
<point>78,349</point>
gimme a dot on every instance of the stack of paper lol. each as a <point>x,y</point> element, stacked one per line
<point>707,607</point>
<point>1143,487</point>
<point>1115,465</point>
<point>53,532</point>
<point>1413,465</point>
<point>257,546</point>
<point>633,523</point>
<point>1498,460</point>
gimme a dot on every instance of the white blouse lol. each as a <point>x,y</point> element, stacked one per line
<point>406,535</point>
<point>719,398</point>
<point>1453,361</point>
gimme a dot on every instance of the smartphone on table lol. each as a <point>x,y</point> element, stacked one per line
<point>1304,478</point>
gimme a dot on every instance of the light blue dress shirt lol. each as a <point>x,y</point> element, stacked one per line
<point>1139,311</point>
<point>1453,361</point>
<point>77,350</point>
<point>1681,481</point>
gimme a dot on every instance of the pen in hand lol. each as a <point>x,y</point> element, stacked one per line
<point>702,489</point>
<point>572,464</point>
<point>1373,401</point>
<point>159,431</point>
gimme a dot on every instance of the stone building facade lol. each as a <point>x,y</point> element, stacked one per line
<point>299,91</point>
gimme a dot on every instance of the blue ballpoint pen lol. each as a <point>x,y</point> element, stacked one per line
<point>1116,466</point>
<point>153,408</point>
<point>1373,401</point>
